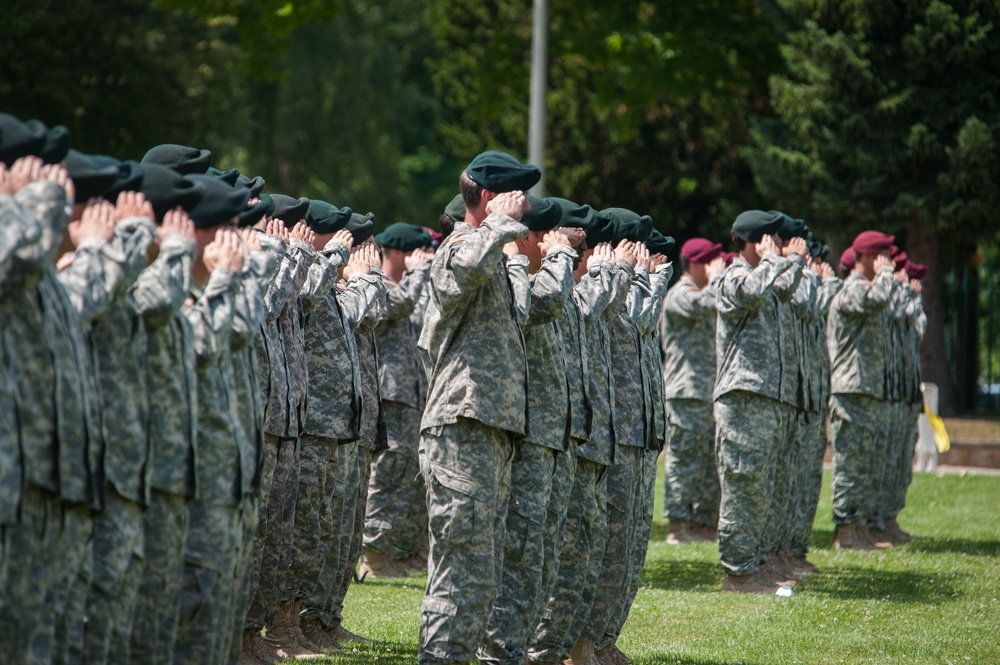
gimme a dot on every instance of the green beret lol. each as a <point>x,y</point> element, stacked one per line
<point>361,227</point>
<point>456,209</point>
<point>323,217</point>
<point>404,237</point>
<point>180,158</point>
<point>818,250</point>
<point>255,212</point>
<point>167,189</point>
<point>229,177</point>
<point>598,227</point>
<point>289,210</point>
<point>20,139</point>
<point>130,175</point>
<point>499,172</point>
<point>657,243</point>
<point>544,215</point>
<point>630,225</point>
<point>219,203</point>
<point>56,145</point>
<point>90,177</point>
<point>752,225</point>
<point>791,227</point>
<point>255,185</point>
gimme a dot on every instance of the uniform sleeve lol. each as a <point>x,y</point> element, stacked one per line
<point>18,229</point>
<point>787,283</point>
<point>279,289</point>
<point>593,292</point>
<point>249,310</point>
<point>401,299</point>
<point>827,290</point>
<point>551,286</point>
<point>163,286</point>
<point>743,289</point>
<point>861,297</point>
<point>621,284</point>
<point>804,302</point>
<point>689,302</point>
<point>211,316</point>
<point>323,273</point>
<point>359,296</point>
<point>652,304</point>
<point>520,286</point>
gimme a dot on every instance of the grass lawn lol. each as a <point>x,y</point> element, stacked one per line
<point>935,600</point>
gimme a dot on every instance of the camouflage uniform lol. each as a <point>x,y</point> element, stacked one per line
<point>687,335</point>
<point>912,334</point>
<point>588,366</point>
<point>754,399</point>
<point>171,388</point>
<point>533,477</point>
<point>857,335</point>
<point>476,407</point>
<point>402,384</point>
<point>210,550</point>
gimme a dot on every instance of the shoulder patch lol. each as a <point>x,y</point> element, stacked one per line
<point>455,241</point>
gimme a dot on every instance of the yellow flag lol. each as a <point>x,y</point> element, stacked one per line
<point>940,433</point>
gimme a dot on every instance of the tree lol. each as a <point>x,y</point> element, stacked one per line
<point>888,118</point>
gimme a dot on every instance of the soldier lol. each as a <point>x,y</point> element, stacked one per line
<point>754,413</point>
<point>475,411</point>
<point>857,337</point>
<point>687,334</point>
<point>402,384</point>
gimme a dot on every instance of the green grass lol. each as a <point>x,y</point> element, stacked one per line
<point>934,600</point>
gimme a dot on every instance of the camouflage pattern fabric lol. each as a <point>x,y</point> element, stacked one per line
<point>393,486</point>
<point>242,578</point>
<point>310,541</point>
<point>254,619</point>
<point>687,338</point>
<point>858,432</point>
<point>360,499</point>
<point>401,377</point>
<point>557,512</point>
<point>76,553</point>
<point>691,477</point>
<point>811,480</point>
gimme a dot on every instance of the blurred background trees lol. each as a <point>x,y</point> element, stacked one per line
<point>851,115</point>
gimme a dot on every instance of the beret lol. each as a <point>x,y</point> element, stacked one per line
<point>56,145</point>
<point>181,158</point>
<point>598,226</point>
<point>20,139</point>
<point>90,177</point>
<point>901,259</point>
<point>361,226</point>
<point>752,225</point>
<point>729,256</point>
<point>872,242</point>
<point>323,217</point>
<point>916,270</point>
<point>657,243</point>
<point>229,177</point>
<point>499,172</point>
<point>791,227</point>
<point>254,212</point>
<point>700,250</point>
<point>436,237</point>
<point>404,237</point>
<point>630,225</point>
<point>818,250</point>
<point>219,202</point>
<point>130,175</point>
<point>456,209</point>
<point>255,185</point>
<point>166,189</point>
<point>848,259</point>
<point>289,210</point>
<point>544,214</point>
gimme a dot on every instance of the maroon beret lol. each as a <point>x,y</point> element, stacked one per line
<point>901,259</point>
<point>872,242</point>
<point>848,259</point>
<point>729,256</point>
<point>916,270</point>
<point>700,250</point>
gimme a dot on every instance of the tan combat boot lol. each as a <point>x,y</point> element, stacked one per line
<point>680,533</point>
<point>256,650</point>
<point>747,584</point>
<point>845,537</point>
<point>788,567</point>
<point>341,634</point>
<point>376,565</point>
<point>864,537</point>
<point>315,632</point>
<point>283,636</point>
<point>582,653</point>
<point>248,655</point>
<point>895,534</point>
<point>802,565</point>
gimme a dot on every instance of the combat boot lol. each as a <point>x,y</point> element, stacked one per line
<point>747,584</point>
<point>582,653</point>
<point>315,632</point>
<point>846,537</point>
<point>802,565</point>
<point>680,533</point>
<point>704,533</point>
<point>248,655</point>
<point>771,573</point>
<point>341,634</point>
<point>788,568</point>
<point>283,635</point>
<point>864,536</point>
<point>894,533</point>
<point>256,650</point>
<point>376,565</point>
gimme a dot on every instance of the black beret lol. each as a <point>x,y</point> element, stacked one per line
<point>56,145</point>
<point>167,189</point>
<point>598,227</point>
<point>229,177</point>
<point>90,177</point>
<point>323,217</point>
<point>404,237</point>
<point>361,227</point>
<point>254,212</point>
<point>20,139</point>
<point>752,225</point>
<point>180,158</point>
<point>544,215</point>
<point>657,243</point>
<point>219,203</point>
<point>818,250</point>
<point>255,185</point>
<point>456,209</point>
<point>130,176</point>
<point>289,210</point>
<point>630,225</point>
<point>791,227</point>
<point>499,172</point>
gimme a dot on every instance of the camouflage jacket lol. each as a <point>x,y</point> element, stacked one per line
<point>401,377</point>
<point>648,296</point>
<point>372,434</point>
<point>800,310</point>
<point>472,333</point>
<point>858,335</point>
<point>687,338</point>
<point>752,348</point>
<point>633,417</point>
<point>815,359</point>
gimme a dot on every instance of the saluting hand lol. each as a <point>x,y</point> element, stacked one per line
<point>231,250</point>
<point>883,261</point>
<point>575,234</point>
<point>25,171</point>
<point>715,267</point>
<point>302,231</point>
<point>796,246</point>
<point>176,223</point>
<point>58,174</point>
<point>917,285</point>
<point>512,204</point>
<point>132,204</point>
<point>251,240</point>
<point>97,221</point>
<point>767,246</point>
<point>602,252</point>
<point>641,256</point>
<point>418,257</point>
<point>552,239</point>
<point>625,251</point>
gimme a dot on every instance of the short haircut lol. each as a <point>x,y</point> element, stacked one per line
<point>472,193</point>
<point>447,225</point>
<point>738,241</point>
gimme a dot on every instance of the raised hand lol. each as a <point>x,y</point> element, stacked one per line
<point>574,234</point>
<point>418,257</point>
<point>303,232</point>
<point>512,204</point>
<point>767,246</point>
<point>276,228</point>
<point>5,183</point>
<point>176,223</point>
<point>552,239</point>
<point>97,221</point>
<point>641,256</point>
<point>251,240</point>
<point>655,261</point>
<point>715,267</point>
<point>796,246</point>
<point>344,237</point>
<point>825,270</point>
<point>883,261</point>
<point>25,171</point>
<point>511,249</point>
<point>900,276</point>
<point>132,204</point>
<point>357,263</point>
<point>917,285</point>
<point>58,174</point>
<point>625,251</point>
<point>232,250</point>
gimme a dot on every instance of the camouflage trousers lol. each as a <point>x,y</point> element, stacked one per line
<point>392,488</point>
<point>624,478</point>
<point>278,530</point>
<point>749,430</point>
<point>242,575</point>
<point>787,484</point>
<point>344,471</point>
<point>412,537</point>
<point>312,537</point>
<point>555,525</point>
<point>210,553</point>
<point>514,610</point>
<point>359,500</point>
<point>577,574</point>
<point>165,527</point>
<point>117,574</point>
<point>810,479</point>
<point>691,473</point>
<point>467,468</point>
<point>897,467</point>
<point>29,579</point>
<point>75,549</point>
<point>858,434</point>
<point>269,460</point>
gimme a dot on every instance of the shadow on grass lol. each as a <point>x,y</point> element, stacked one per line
<point>382,653</point>
<point>821,539</point>
<point>667,659</point>
<point>956,545</point>
<point>680,575</point>
<point>898,586</point>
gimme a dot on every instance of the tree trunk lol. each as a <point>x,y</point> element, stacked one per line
<point>923,246</point>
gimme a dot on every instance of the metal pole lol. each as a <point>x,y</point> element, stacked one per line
<point>539,86</point>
